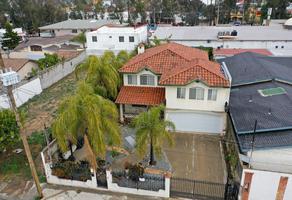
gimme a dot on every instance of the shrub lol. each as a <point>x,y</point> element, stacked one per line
<point>48,61</point>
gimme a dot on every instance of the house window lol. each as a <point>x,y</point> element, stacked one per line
<point>212,94</point>
<point>121,39</point>
<point>146,79</point>
<point>196,93</point>
<point>94,39</point>
<point>132,79</point>
<point>181,93</point>
<point>131,39</point>
<point>35,48</point>
<point>74,30</point>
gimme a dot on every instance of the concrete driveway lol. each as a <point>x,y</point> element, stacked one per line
<point>197,156</point>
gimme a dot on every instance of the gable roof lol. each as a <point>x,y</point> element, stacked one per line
<point>163,58</point>
<point>178,65</point>
<point>203,70</point>
<point>79,24</point>
<point>15,63</point>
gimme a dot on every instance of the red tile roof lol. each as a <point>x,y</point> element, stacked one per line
<point>141,95</point>
<point>203,70</point>
<point>163,58</point>
<point>231,52</point>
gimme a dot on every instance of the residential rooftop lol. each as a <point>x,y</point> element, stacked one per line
<point>79,24</point>
<point>261,91</point>
<point>44,41</point>
<point>232,52</point>
<point>15,63</point>
<point>244,33</point>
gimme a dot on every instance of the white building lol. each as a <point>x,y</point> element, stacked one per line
<point>274,38</point>
<point>193,89</point>
<point>115,38</point>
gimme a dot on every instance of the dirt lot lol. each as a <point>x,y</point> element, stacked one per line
<point>41,109</point>
<point>197,156</point>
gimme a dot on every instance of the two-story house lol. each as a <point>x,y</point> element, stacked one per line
<point>193,89</point>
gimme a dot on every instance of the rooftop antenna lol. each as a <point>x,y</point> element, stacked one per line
<point>252,142</point>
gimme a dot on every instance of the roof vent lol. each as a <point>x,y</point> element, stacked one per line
<point>270,111</point>
<point>250,99</point>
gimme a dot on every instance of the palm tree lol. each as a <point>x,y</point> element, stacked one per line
<point>90,116</point>
<point>80,38</point>
<point>152,129</point>
<point>102,74</point>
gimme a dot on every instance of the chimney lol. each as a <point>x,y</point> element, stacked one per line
<point>141,48</point>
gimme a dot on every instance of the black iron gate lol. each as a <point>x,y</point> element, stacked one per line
<point>101,178</point>
<point>201,190</point>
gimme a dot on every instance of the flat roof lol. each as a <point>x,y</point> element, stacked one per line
<point>245,33</point>
<point>79,24</point>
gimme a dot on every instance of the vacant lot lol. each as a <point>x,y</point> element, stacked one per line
<point>197,156</point>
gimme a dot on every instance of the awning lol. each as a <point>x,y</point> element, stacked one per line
<point>136,95</point>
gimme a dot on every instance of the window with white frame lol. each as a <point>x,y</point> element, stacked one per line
<point>181,93</point>
<point>94,39</point>
<point>196,93</point>
<point>132,79</point>
<point>212,94</point>
<point>147,79</point>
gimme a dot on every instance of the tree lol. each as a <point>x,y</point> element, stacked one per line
<point>89,116</point>
<point>152,129</point>
<point>12,39</point>
<point>121,59</point>
<point>102,74</point>
<point>9,131</point>
<point>80,38</point>
<point>48,61</point>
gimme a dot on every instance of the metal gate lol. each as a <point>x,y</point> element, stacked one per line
<point>195,189</point>
<point>101,178</point>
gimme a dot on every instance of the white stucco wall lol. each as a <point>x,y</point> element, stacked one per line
<point>238,44</point>
<point>273,159</point>
<point>22,93</point>
<point>172,102</point>
<point>143,72</point>
<point>264,185</point>
<point>108,39</point>
<point>26,69</point>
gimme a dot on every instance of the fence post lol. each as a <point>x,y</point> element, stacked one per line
<point>194,187</point>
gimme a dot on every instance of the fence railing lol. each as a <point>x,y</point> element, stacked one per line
<point>150,182</point>
<point>196,189</point>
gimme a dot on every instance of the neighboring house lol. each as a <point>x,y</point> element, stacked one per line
<point>73,27</point>
<point>262,91</point>
<point>273,38</point>
<point>223,53</point>
<point>23,67</point>
<point>34,48</point>
<point>194,89</point>
<point>115,38</point>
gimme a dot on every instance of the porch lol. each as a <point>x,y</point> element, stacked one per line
<point>133,100</point>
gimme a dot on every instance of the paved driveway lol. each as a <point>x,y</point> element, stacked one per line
<point>197,156</point>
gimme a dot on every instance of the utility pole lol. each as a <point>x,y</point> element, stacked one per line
<point>252,142</point>
<point>218,11</point>
<point>22,133</point>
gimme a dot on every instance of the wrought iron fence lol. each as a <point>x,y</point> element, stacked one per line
<point>150,182</point>
<point>197,189</point>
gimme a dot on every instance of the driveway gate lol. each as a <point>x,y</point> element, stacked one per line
<point>201,190</point>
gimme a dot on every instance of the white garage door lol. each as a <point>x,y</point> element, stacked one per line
<point>197,122</point>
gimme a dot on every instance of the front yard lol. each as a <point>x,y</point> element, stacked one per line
<point>15,175</point>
